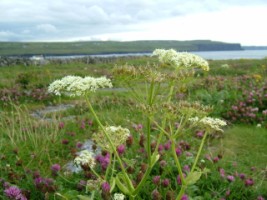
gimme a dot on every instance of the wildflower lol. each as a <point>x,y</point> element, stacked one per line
<point>85,158</point>
<point>155,195</point>
<point>178,151</point>
<point>61,125</point>
<point>92,185</point>
<point>65,141</point>
<point>200,134</point>
<point>77,86</point>
<point>167,145</point>
<point>103,160</point>
<point>79,145</point>
<point>186,168</point>
<point>118,196</point>
<point>81,185</point>
<point>117,134</point>
<point>121,149</point>
<point>162,163</point>
<point>156,180</point>
<point>55,169</point>
<point>209,122</point>
<point>249,182</point>
<point>105,187</point>
<point>228,192</point>
<point>180,60</point>
<point>242,176</point>
<point>184,197</point>
<point>230,178</point>
<point>165,182</point>
<point>222,172</point>
<point>260,198</point>
<point>13,192</point>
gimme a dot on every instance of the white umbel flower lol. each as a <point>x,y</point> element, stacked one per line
<point>78,86</point>
<point>209,122</point>
<point>118,196</point>
<point>85,158</point>
<point>180,60</point>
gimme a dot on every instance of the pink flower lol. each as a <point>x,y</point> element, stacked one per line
<point>121,149</point>
<point>105,187</point>
<point>156,180</point>
<point>222,172</point>
<point>242,176</point>
<point>260,198</point>
<point>167,145</point>
<point>230,178</point>
<point>55,169</point>
<point>178,151</point>
<point>179,181</point>
<point>165,182</point>
<point>61,125</point>
<point>186,168</point>
<point>184,197</point>
<point>249,182</point>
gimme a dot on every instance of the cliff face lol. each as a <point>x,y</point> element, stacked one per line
<point>218,47</point>
<point>105,47</point>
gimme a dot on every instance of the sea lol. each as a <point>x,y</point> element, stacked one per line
<point>209,55</point>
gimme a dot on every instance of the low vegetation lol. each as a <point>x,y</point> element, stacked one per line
<point>167,153</point>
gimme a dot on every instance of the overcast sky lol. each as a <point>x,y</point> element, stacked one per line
<point>239,21</point>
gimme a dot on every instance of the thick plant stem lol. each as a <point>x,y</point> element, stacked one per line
<point>199,151</point>
<point>143,180</point>
<point>128,181</point>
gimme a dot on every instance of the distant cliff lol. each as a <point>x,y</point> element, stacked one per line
<point>105,47</point>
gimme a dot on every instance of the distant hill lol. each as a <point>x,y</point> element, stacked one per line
<point>105,47</point>
<point>254,47</point>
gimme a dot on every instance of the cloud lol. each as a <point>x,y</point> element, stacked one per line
<point>84,19</point>
<point>48,28</point>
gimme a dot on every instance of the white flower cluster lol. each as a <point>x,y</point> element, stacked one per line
<point>117,134</point>
<point>118,196</point>
<point>85,158</point>
<point>78,86</point>
<point>181,60</point>
<point>209,122</point>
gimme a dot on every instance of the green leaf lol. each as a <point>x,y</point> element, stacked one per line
<point>154,159</point>
<point>121,186</point>
<point>82,197</point>
<point>113,184</point>
<point>193,177</point>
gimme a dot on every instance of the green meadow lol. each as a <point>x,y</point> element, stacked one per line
<point>42,133</point>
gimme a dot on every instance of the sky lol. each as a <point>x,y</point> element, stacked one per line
<point>233,21</point>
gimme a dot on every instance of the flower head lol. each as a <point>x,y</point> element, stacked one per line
<point>180,60</point>
<point>78,86</point>
<point>118,196</point>
<point>85,158</point>
<point>209,122</point>
<point>117,134</point>
<point>13,192</point>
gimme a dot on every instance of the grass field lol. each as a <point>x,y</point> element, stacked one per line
<point>34,151</point>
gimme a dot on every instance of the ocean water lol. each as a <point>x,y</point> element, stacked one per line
<point>210,55</point>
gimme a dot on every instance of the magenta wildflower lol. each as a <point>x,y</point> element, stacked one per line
<point>184,197</point>
<point>121,149</point>
<point>178,151</point>
<point>55,169</point>
<point>105,187</point>
<point>79,145</point>
<point>216,159</point>
<point>249,182</point>
<point>103,160</point>
<point>260,198</point>
<point>156,180</point>
<point>222,172</point>
<point>186,168</point>
<point>228,192</point>
<point>14,192</point>
<point>167,145</point>
<point>65,141</point>
<point>161,147</point>
<point>61,125</point>
<point>230,178</point>
<point>242,176</point>
<point>200,134</point>
<point>155,195</point>
<point>165,182</point>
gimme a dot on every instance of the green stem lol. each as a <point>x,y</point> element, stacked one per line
<point>128,181</point>
<point>177,162</point>
<point>108,169</point>
<point>181,193</point>
<point>142,181</point>
<point>199,151</point>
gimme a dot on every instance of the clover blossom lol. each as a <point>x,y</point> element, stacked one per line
<point>117,134</point>
<point>118,196</point>
<point>180,60</point>
<point>85,158</point>
<point>209,122</point>
<point>77,86</point>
